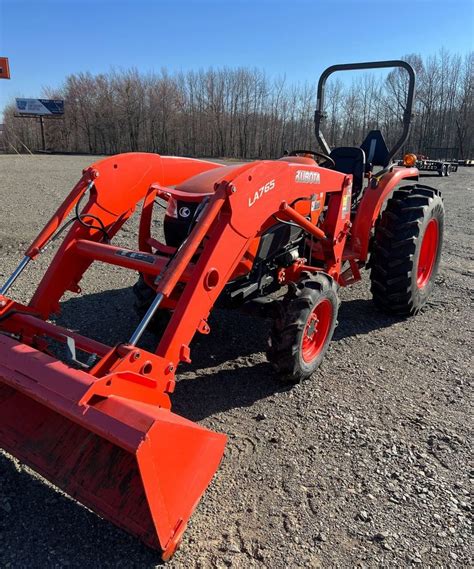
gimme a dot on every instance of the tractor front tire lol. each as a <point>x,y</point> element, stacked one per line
<point>304,326</point>
<point>406,250</point>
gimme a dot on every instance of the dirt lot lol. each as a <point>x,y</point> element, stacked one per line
<point>365,465</point>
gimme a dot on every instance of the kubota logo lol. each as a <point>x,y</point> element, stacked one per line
<point>307,177</point>
<point>263,190</point>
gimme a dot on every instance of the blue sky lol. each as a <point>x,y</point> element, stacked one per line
<point>48,39</point>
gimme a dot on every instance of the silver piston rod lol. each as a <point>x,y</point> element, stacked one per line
<point>24,262</point>
<point>146,319</point>
<point>135,337</point>
<point>16,273</point>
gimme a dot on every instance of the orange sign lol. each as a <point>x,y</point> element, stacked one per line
<point>4,68</point>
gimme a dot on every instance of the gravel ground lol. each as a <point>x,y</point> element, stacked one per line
<point>365,465</point>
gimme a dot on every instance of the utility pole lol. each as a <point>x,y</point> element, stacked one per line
<point>43,137</point>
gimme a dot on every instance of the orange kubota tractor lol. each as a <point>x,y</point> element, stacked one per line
<point>103,430</point>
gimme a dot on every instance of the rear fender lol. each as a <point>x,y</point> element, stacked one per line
<point>371,205</point>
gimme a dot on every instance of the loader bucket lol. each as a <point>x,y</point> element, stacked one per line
<point>140,466</point>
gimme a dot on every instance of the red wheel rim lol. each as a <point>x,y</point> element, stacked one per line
<point>428,251</point>
<point>316,330</point>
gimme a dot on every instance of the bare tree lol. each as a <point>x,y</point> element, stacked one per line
<point>244,113</point>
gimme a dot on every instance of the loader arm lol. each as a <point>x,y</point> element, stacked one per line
<point>244,202</point>
<point>105,432</point>
<point>119,183</point>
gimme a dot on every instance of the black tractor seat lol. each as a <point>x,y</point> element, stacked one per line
<point>358,161</point>
<point>375,149</point>
<point>350,160</point>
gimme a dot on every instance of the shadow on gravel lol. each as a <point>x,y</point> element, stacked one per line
<point>110,318</point>
<point>234,340</point>
<point>41,528</point>
<point>360,316</point>
<point>204,396</point>
<point>240,384</point>
<point>105,316</point>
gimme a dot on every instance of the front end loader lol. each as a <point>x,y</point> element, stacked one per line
<point>101,427</point>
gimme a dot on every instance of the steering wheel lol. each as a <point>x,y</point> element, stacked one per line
<point>320,154</point>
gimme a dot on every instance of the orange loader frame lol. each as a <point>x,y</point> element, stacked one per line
<point>105,433</point>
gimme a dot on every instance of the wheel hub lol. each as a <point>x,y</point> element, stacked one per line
<point>312,325</point>
<point>316,330</point>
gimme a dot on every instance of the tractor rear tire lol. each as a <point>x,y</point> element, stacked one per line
<point>144,296</point>
<point>406,250</point>
<point>304,326</point>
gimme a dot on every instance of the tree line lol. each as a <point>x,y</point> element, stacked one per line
<point>244,113</point>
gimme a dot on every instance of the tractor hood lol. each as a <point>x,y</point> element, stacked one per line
<point>203,184</point>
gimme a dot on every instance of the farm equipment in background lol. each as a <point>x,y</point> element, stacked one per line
<point>425,164</point>
<point>102,428</point>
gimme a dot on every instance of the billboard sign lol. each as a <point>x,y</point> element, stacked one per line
<point>40,107</point>
<point>4,68</point>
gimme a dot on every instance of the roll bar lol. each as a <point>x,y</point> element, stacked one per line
<point>319,115</point>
